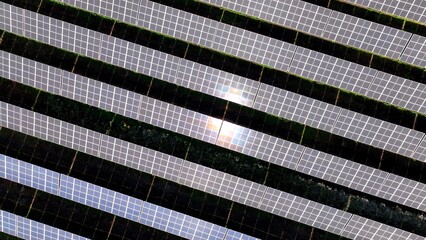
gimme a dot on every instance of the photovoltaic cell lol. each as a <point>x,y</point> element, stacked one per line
<point>28,229</point>
<point>216,82</point>
<point>233,235</point>
<point>180,224</point>
<point>221,184</point>
<point>420,150</point>
<point>323,22</point>
<point>253,47</point>
<point>212,34</point>
<point>176,23</point>
<point>341,171</point>
<point>359,79</point>
<point>179,119</point>
<point>117,101</point>
<point>126,11</point>
<point>100,198</point>
<point>259,145</point>
<point>179,71</point>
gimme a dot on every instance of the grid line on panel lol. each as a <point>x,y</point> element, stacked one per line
<point>300,158</point>
<point>371,82</point>
<point>405,46</point>
<point>414,51</point>
<point>423,139</point>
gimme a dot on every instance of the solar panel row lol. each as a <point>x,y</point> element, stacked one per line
<point>325,23</point>
<point>221,152</point>
<point>278,202</point>
<point>118,52</point>
<point>283,56</point>
<point>202,127</point>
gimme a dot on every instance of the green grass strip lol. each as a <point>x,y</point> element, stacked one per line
<point>210,155</point>
<point>373,15</point>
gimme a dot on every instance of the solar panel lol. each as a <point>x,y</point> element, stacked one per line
<point>11,18</point>
<point>28,229</point>
<point>349,76</point>
<point>363,228</point>
<point>332,70</point>
<point>303,210</point>
<point>206,128</point>
<point>323,22</point>
<point>29,175</point>
<point>295,14</point>
<point>247,141</point>
<point>225,189</point>
<point>377,133</point>
<point>212,34</point>
<point>254,47</point>
<point>420,152</point>
<point>398,91</point>
<point>366,35</point>
<point>296,107</point>
<point>413,9</point>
